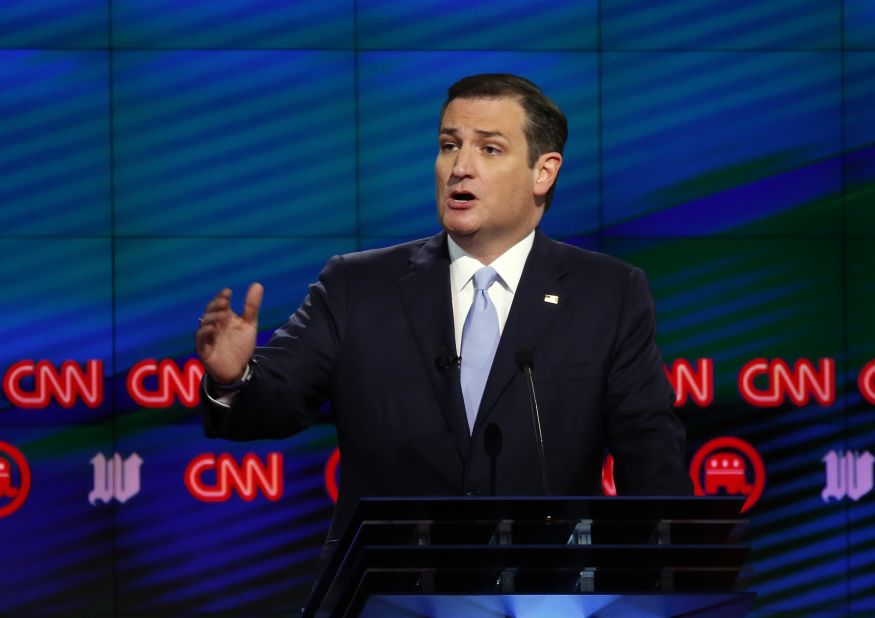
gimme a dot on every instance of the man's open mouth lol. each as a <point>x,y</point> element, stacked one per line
<point>463,196</point>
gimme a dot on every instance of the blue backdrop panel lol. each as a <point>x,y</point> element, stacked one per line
<point>238,554</point>
<point>60,544</point>
<point>397,150</point>
<point>485,25</point>
<point>157,311</point>
<point>721,24</point>
<point>859,32</point>
<point>54,142</point>
<point>263,24</point>
<point>712,143</point>
<point>860,142</point>
<point>54,23</point>
<point>57,306</point>
<point>234,143</point>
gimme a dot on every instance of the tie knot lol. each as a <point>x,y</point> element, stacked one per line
<point>484,278</point>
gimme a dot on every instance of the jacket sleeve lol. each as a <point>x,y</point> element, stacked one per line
<point>645,437</point>
<point>292,374</point>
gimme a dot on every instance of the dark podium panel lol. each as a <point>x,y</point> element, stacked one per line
<point>551,556</point>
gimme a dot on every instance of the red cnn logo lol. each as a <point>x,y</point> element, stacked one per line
<point>688,382</point>
<point>866,382</point>
<point>66,385</point>
<point>247,479</point>
<point>800,383</point>
<point>173,383</point>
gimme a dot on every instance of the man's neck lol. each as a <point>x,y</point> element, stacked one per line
<point>485,252</point>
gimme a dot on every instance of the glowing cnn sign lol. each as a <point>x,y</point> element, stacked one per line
<point>800,383</point>
<point>866,382</point>
<point>767,383</point>
<point>688,382</point>
<point>67,385</point>
<point>173,384</point>
<point>211,478</point>
<point>151,383</point>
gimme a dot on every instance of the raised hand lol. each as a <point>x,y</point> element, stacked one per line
<point>225,341</point>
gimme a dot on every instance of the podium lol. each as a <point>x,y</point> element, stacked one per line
<point>537,556</point>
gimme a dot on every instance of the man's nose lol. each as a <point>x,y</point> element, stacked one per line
<point>463,166</point>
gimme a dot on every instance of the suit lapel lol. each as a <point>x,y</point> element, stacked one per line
<point>530,315</point>
<point>427,298</point>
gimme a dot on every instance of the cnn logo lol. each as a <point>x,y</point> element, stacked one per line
<point>29,384</point>
<point>154,384</point>
<point>211,478</point>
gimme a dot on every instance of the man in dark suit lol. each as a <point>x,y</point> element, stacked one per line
<point>418,346</point>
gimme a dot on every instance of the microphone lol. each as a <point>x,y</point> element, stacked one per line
<point>492,442</point>
<point>525,361</point>
<point>445,360</point>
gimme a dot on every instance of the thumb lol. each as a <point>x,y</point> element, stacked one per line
<point>253,303</point>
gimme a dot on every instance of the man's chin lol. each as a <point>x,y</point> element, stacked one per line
<point>458,224</point>
<point>461,231</point>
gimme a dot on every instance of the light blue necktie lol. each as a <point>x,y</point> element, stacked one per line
<point>479,341</point>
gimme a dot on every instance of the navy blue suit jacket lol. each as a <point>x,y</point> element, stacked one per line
<point>367,338</point>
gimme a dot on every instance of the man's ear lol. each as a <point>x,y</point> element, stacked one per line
<point>546,169</point>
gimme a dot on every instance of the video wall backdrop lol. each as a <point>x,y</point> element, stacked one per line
<point>154,151</point>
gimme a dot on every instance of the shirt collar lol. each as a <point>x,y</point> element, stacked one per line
<point>509,265</point>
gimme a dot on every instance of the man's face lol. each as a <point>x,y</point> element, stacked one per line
<point>486,191</point>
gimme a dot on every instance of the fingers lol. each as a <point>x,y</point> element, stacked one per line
<point>218,311</point>
<point>204,339</point>
<point>222,300</point>
<point>224,341</point>
<point>253,303</point>
<point>216,318</point>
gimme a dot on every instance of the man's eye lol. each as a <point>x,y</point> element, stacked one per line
<point>447,147</point>
<point>491,150</point>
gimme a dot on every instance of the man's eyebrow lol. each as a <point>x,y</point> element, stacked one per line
<point>452,131</point>
<point>483,133</point>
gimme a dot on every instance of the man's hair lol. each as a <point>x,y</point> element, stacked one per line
<point>546,127</point>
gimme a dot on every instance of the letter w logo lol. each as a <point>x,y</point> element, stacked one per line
<point>115,478</point>
<point>848,474</point>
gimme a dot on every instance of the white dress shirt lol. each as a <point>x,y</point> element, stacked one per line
<point>509,266</point>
